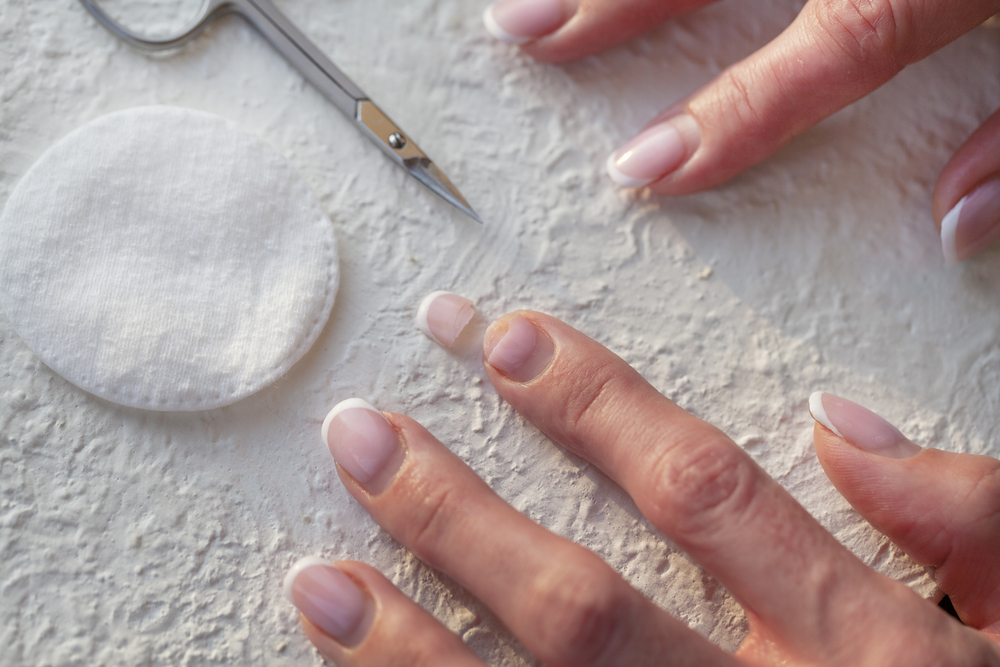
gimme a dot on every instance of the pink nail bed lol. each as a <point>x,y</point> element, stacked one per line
<point>523,352</point>
<point>654,152</point>
<point>520,21</point>
<point>326,596</point>
<point>860,426</point>
<point>442,316</point>
<point>360,439</point>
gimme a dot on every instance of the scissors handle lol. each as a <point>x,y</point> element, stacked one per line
<point>318,69</point>
<point>271,23</point>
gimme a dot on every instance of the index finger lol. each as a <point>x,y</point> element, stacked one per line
<point>690,480</point>
<point>833,53</point>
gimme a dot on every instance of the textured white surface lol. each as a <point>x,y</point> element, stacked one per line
<point>191,263</point>
<point>130,537</point>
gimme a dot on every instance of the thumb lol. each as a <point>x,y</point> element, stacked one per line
<point>941,508</point>
<point>835,52</point>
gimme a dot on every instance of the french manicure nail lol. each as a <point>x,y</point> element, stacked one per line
<point>522,352</point>
<point>860,426</point>
<point>520,21</point>
<point>328,598</point>
<point>442,316</point>
<point>654,152</point>
<point>363,443</point>
<point>973,223</point>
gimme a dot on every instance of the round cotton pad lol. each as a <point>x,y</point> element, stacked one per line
<point>166,259</point>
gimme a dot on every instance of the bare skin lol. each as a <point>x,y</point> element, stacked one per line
<point>809,600</point>
<point>834,53</point>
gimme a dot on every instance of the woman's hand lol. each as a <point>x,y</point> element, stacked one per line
<point>833,53</point>
<point>809,600</point>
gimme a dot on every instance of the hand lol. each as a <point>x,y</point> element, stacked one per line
<point>835,52</point>
<point>808,599</point>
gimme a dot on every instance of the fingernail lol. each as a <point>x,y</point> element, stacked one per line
<point>521,352</point>
<point>329,599</point>
<point>442,316</point>
<point>655,152</point>
<point>860,426</point>
<point>520,21</point>
<point>364,443</point>
<point>973,224</point>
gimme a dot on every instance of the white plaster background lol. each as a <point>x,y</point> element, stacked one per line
<point>130,537</point>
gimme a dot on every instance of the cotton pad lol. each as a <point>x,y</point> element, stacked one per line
<point>167,259</point>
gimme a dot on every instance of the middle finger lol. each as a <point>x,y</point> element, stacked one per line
<point>689,479</point>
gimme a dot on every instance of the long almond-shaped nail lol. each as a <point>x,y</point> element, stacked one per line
<point>860,426</point>
<point>442,316</point>
<point>521,352</point>
<point>655,152</point>
<point>329,599</point>
<point>363,442</point>
<point>973,223</point>
<point>519,21</point>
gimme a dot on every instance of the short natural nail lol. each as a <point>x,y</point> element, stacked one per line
<point>363,442</point>
<point>519,21</point>
<point>655,152</point>
<point>860,426</point>
<point>521,352</point>
<point>973,223</point>
<point>329,599</point>
<point>442,316</point>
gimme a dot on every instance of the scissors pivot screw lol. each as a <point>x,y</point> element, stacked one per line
<point>396,140</point>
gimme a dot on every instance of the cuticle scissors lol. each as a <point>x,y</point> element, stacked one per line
<point>319,70</point>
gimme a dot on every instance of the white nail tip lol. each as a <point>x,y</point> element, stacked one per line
<point>949,227</point>
<point>424,311</point>
<point>818,412</point>
<point>345,405</point>
<point>621,178</point>
<point>300,564</point>
<point>499,33</point>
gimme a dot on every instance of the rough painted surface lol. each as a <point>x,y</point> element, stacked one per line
<point>130,537</point>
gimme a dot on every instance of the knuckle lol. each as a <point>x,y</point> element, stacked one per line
<point>983,497</point>
<point>740,98</point>
<point>428,521</point>
<point>581,615</point>
<point>589,394</point>
<point>866,32</point>
<point>702,486</point>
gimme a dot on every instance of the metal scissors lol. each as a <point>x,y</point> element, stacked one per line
<point>316,67</point>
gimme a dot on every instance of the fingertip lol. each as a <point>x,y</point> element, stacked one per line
<point>818,412</point>
<point>496,31</point>
<point>966,200</point>
<point>518,347</point>
<point>949,228</point>
<point>522,21</point>
<point>296,569</point>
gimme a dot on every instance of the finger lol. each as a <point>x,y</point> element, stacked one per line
<point>835,52</point>
<point>690,480</point>
<point>564,604</point>
<point>941,508</point>
<point>561,30</point>
<point>967,194</point>
<point>355,616</point>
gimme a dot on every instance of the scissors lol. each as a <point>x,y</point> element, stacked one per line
<point>316,67</point>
